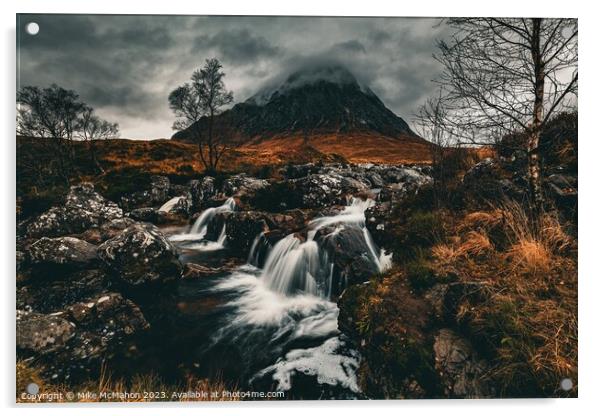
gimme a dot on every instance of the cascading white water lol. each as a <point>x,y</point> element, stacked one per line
<point>166,207</point>
<point>198,230</point>
<point>294,266</point>
<point>253,257</point>
<point>280,317</point>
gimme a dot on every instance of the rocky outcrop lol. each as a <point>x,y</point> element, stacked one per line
<point>242,185</point>
<point>83,209</point>
<point>68,252</point>
<point>351,256</point>
<point>58,290</point>
<point>323,190</point>
<point>141,255</point>
<point>463,373</point>
<point>143,214</point>
<point>201,190</point>
<point>43,333</point>
<point>157,194</point>
<point>241,228</point>
<point>73,343</point>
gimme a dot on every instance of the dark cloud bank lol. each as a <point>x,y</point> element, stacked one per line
<point>125,66</point>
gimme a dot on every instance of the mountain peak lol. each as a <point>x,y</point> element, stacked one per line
<point>308,76</point>
<point>316,99</point>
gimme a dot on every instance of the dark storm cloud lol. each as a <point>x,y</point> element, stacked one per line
<point>125,66</point>
<point>353,46</point>
<point>236,46</point>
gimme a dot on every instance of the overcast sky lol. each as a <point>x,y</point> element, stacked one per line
<point>125,66</point>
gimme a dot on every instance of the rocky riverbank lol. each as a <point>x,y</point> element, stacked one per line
<point>100,282</point>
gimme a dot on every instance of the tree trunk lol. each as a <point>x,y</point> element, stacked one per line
<point>534,161</point>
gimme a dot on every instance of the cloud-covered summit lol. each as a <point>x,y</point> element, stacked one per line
<point>125,66</point>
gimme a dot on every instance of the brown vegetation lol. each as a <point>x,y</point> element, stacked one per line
<point>115,388</point>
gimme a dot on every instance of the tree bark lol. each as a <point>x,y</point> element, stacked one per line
<point>534,161</point>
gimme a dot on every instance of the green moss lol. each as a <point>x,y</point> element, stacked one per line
<point>420,275</point>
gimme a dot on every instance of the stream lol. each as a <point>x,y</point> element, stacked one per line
<point>271,323</point>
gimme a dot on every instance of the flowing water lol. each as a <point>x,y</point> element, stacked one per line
<point>194,237</point>
<point>276,320</point>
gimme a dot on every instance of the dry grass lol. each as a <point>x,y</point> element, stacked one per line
<point>529,320</point>
<point>107,388</point>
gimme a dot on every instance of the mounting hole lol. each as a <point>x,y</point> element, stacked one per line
<point>566,384</point>
<point>32,28</point>
<point>32,388</point>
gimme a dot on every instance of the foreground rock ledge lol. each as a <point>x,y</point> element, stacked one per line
<point>141,254</point>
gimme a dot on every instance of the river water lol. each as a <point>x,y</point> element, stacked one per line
<point>271,323</point>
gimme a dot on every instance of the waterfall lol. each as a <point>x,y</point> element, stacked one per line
<point>166,207</point>
<point>278,313</point>
<point>198,230</point>
<point>254,252</point>
<point>295,266</point>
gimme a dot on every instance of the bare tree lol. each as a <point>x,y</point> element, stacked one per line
<point>60,118</point>
<point>92,128</point>
<point>196,105</point>
<point>50,113</point>
<point>508,75</point>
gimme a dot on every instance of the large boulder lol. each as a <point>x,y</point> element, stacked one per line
<point>201,190</point>
<point>242,185</point>
<point>66,288</point>
<point>462,371</point>
<point>72,343</point>
<point>141,254</point>
<point>323,190</point>
<point>41,333</point>
<point>83,209</point>
<point>353,260</point>
<point>67,252</point>
<point>157,194</point>
<point>241,229</point>
<point>146,214</point>
<point>178,205</point>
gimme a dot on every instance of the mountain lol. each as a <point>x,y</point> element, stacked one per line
<point>323,99</point>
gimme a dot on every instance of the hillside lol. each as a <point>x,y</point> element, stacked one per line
<point>325,107</point>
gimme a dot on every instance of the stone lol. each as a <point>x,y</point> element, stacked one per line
<point>83,209</point>
<point>462,371</point>
<point>62,251</point>
<point>141,254</point>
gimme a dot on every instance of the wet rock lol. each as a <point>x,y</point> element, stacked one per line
<point>156,195</point>
<point>43,333</point>
<point>462,371</point>
<point>83,209</point>
<point>241,228</point>
<point>143,214</point>
<point>179,205</point>
<point>141,254</point>
<point>193,271</point>
<point>375,180</point>
<point>201,190</point>
<point>242,185</point>
<point>378,222</point>
<point>299,171</point>
<point>61,290</point>
<point>68,252</point>
<point>112,228</point>
<point>159,188</point>
<point>322,190</point>
<point>347,249</point>
<point>84,335</point>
